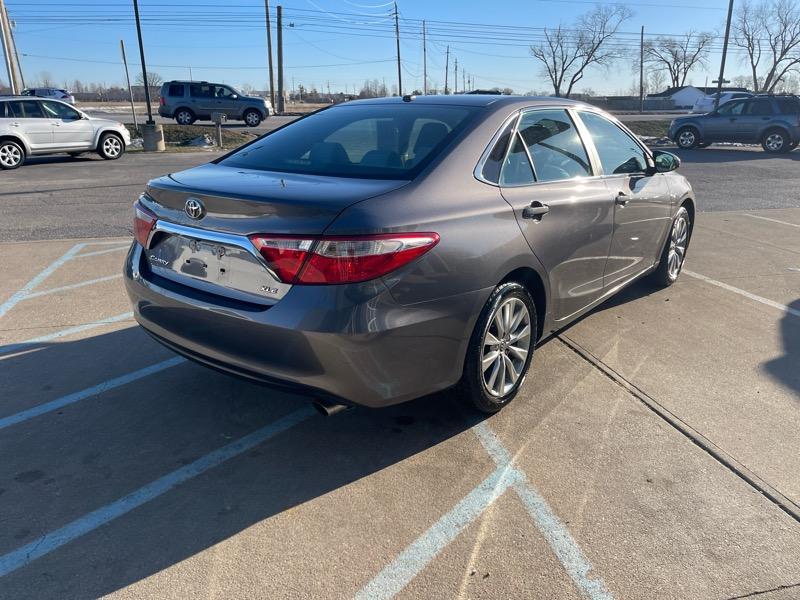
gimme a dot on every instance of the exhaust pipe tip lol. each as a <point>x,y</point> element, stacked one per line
<point>328,408</point>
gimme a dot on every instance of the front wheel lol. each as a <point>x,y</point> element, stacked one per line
<point>687,138</point>
<point>500,349</point>
<point>252,118</point>
<point>674,252</point>
<point>110,146</point>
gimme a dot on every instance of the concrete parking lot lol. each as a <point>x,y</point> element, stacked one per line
<point>652,451</point>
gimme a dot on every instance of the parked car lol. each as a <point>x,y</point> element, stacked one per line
<point>381,250</point>
<point>33,126</point>
<point>50,93</point>
<point>772,121</point>
<point>188,101</point>
<point>706,103</point>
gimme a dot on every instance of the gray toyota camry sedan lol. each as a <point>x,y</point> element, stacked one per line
<point>380,250</point>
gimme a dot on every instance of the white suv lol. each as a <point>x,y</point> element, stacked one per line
<point>32,126</point>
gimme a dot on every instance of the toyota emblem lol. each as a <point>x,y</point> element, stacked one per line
<point>194,208</point>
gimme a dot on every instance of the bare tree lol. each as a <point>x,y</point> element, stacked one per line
<point>769,32</point>
<point>153,78</point>
<point>565,53</point>
<point>678,56</point>
<point>655,81</point>
<point>46,79</point>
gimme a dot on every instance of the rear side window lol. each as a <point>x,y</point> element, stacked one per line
<point>175,89</point>
<point>388,141</point>
<point>494,162</point>
<point>7,110</point>
<point>27,109</point>
<point>788,106</point>
<point>618,151</point>
<point>554,145</point>
<point>201,90</point>
<point>759,106</point>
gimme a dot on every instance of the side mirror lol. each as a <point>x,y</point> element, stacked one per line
<point>665,161</point>
<point>235,96</point>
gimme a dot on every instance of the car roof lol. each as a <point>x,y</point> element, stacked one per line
<point>472,100</point>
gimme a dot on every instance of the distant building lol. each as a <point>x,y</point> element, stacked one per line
<point>686,95</point>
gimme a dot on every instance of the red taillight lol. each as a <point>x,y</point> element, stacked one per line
<point>329,260</point>
<point>163,101</point>
<point>143,221</point>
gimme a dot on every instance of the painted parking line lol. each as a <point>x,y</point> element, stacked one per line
<point>766,301</point>
<point>19,346</point>
<point>95,390</point>
<point>771,220</point>
<point>71,286</point>
<point>53,540</point>
<point>97,252</point>
<point>411,561</point>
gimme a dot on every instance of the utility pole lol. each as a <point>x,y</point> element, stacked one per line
<point>146,81</point>
<point>721,79</point>
<point>463,80</point>
<point>641,72</point>
<point>455,78</point>
<point>280,60</point>
<point>5,33</point>
<point>128,80</point>
<point>269,56</point>
<point>16,68</point>
<point>21,82</point>
<point>424,63</point>
<point>446,69</point>
<point>397,39</point>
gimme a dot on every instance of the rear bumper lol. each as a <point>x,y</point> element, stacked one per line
<point>352,342</point>
<point>164,112</point>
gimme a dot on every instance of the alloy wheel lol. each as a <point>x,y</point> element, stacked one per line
<point>505,347</point>
<point>774,142</point>
<point>112,146</point>
<point>678,240</point>
<point>183,118</point>
<point>252,119</point>
<point>10,155</point>
<point>686,139</point>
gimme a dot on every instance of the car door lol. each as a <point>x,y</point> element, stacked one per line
<point>227,101</point>
<point>723,125</point>
<point>563,210</point>
<point>201,99</point>
<point>641,199</point>
<point>756,115</point>
<point>31,122</point>
<point>70,129</point>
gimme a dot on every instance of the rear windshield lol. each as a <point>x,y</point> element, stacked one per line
<point>366,141</point>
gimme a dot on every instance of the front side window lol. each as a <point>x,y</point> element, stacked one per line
<point>375,141</point>
<point>732,108</point>
<point>554,145</point>
<point>28,109</point>
<point>60,111</point>
<point>618,152</point>
<point>220,91</point>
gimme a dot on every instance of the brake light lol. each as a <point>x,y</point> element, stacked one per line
<point>162,101</point>
<point>335,259</point>
<point>143,222</point>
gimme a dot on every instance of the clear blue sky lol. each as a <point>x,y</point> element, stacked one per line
<point>350,40</point>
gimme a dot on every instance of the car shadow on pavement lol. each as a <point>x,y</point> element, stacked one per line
<point>60,466</point>
<point>786,369</point>
<point>61,158</point>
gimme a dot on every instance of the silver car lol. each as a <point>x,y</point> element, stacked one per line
<point>381,250</point>
<point>32,126</point>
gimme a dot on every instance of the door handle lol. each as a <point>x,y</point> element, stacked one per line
<point>622,199</point>
<point>57,124</point>
<point>14,124</point>
<point>535,211</point>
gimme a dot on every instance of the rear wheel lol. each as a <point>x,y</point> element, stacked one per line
<point>674,252</point>
<point>687,138</point>
<point>500,349</point>
<point>183,116</point>
<point>11,155</point>
<point>110,146</point>
<point>252,117</point>
<point>776,141</point>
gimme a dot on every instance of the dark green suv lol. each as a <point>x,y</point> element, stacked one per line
<point>772,121</point>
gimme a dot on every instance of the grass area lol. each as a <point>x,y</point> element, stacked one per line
<point>649,128</point>
<point>181,135</point>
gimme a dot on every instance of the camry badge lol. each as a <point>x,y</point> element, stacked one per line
<point>194,208</point>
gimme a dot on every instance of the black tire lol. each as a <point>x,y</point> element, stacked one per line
<point>776,141</point>
<point>110,146</point>
<point>252,117</point>
<point>665,275</point>
<point>472,388</point>
<point>184,116</point>
<point>687,138</point>
<point>12,155</point>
